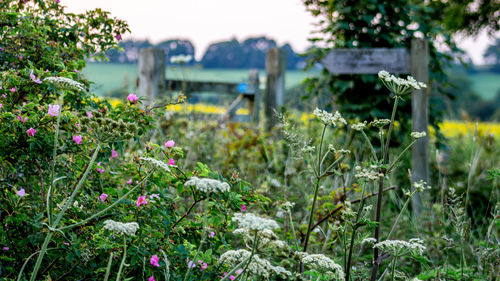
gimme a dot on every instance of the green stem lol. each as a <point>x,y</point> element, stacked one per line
<point>306,241</point>
<point>54,155</point>
<point>370,144</point>
<point>331,166</point>
<point>203,238</point>
<point>123,259</point>
<point>110,206</point>
<point>108,268</point>
<point>255,242</point>
<point>293,231</point>
<point>393,267</point>
<point>60,215</point>
<point>380,192</point>
<point>26,262</point>
<point>400,155</point>
<point>319,151</point>
<point>399,215</point>
<point>355,227</point>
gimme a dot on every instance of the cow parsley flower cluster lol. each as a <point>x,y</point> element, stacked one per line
<point>359,126</point>
<point>399,248</point>
<point>370,173</point>
<point>207,185</point>
<point>253,222</point>
<point>65,83</point>
<point>257,267</point>
<point>418,135</point>
<point>380,123</point>
<point>328,118</point>
<point>129,228</point>
<point>400,86</point>
<point>157,163</point>
<point>421,186</point>
<point>323,265</point>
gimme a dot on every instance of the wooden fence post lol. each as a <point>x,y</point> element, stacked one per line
<point>275,83</point>
<point>254,86</point>
<point>420,117</point>
<point>151,73</point>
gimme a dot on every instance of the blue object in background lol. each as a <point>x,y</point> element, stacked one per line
<point>242,87</point>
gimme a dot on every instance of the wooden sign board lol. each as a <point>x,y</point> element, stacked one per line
<point>367,61</point>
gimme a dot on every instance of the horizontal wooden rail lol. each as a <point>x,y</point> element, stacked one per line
<point>210,86</point>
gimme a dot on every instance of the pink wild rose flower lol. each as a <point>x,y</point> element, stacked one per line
<point>141,200</point>
<point>21,192</point>
<point>129,181</point>
<point>77,139</point>
<point>151,278</point>
<point>99,168</point>
<point>170,144</point>
<point>132,98</point>
<point>53,110</point>
<point>34,79</point>
<point>171,162</point>
<point>103,197</point>
<point>22,119</point>
<point>114,154</point>
<point>154,260</point>
<point>31,132</point>
<point>243,208</point>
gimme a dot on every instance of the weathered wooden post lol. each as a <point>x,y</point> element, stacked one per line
<point>151,73</point>
<point>420,117</point>
<point>254,87</point>
<point>275,84</point>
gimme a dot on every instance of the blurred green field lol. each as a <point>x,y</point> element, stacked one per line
<point>109,77</point>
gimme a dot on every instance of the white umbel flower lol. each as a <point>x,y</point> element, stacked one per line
<point>253,222</point>
<point>207,185</point>
<point>400,86</point>
<point>401,248</point>
<point>157,163</point>
<point>323,264</point>
<point>328,118</point>
<point>418,135</point>
<point>129,228</point>
<point>359,126</point>
<point>258,267</point>
<point>65,83</point>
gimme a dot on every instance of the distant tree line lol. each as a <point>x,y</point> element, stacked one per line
<point>251,53</point>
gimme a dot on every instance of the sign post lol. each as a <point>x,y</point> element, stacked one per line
<point>397,60</point>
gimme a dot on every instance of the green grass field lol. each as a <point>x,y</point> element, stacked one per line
<point>109,77</point>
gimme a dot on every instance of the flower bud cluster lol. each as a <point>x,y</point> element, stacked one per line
<point>63,83</point>
<point>370,173</point>
<point>418,135</point>
<point>106,129</point>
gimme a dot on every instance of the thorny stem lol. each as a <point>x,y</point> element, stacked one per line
<point>306,241</point>
<point>187,212</point>
<point>380,193</point>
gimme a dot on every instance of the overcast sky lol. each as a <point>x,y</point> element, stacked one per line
<point>206,21</point>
